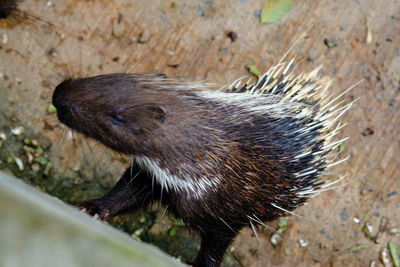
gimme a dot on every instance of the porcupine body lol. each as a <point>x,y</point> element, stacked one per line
<point>221,160</point>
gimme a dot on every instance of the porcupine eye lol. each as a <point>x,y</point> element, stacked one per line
<point>117,120</point>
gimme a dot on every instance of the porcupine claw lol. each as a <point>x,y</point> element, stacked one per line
<point>93,208</point>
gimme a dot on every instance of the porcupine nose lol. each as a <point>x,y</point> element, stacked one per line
<point>59,94</point>
<point>60,100</point>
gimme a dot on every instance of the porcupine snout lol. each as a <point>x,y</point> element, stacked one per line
<point>62,103</point>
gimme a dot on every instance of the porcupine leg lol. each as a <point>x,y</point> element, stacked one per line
<point>213,246</point>
<point>132,191</point>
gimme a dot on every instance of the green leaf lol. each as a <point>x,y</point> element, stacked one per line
<point>41,160</point>
<point>253,70</point>
<point>367,232</point>
<point>341,148</point>
<point>172,231</point>
<point>178,222</point>
<point>274,10</point>
<point>51,108</point>
<point>10,159</point>
<point>358,247</point>
<point>393,254</point>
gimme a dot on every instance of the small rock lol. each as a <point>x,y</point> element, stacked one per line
<point>216,37</point>
<point>367,132</point>
<point>4,39</point>
<point>17,130</point>
<point>30,157</point>
<point>35,167</point>
<point>394,231</point>
<point>19,163</point>
<point>275,239</point>
<point>367,230</point>
<point>232,35</point>
<point>118,28</point>
<point>385,257</point>
<point>35,143</point>
<point>138,232</point>
<point>330,43</point>
<point>303,243</point>
<point>143,38</point>
<point>70,135</point>
<point>3,136</point>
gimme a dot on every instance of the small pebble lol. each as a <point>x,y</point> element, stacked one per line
<point>303,243</point>
<point>143,38</point>
<point>138,232</point>
<point>275,239</point>
<point>394,231</point>
<point>17,130</point>
<point>343,215</point>
<point>330,43</point>
<point>70,135</point>
<point>385,257</point>
<point>3,136</point>
<point>369,227</point>
<point>35,167</point>
<point>216,37</point>
<point>19,163</point>
<point>232,35</point>
<point>30,157</point>
<point>35,143</point>
<point>118,28</point>
<point>4,39</point>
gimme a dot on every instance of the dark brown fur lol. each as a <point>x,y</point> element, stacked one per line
<point>247,157</point>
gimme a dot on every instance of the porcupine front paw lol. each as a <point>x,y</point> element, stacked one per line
<point>94,208</point>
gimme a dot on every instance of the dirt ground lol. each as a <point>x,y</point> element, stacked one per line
<point>47,41</point>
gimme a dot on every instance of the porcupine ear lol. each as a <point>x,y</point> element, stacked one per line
<point>158,113</point>
<point>146,118</point>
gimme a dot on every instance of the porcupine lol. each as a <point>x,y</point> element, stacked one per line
<point>221,160</point>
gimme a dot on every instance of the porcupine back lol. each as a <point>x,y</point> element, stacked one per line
<point>301,113</point>
<point>259,149</point>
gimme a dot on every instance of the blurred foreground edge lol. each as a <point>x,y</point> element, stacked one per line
<point>38,230</point>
